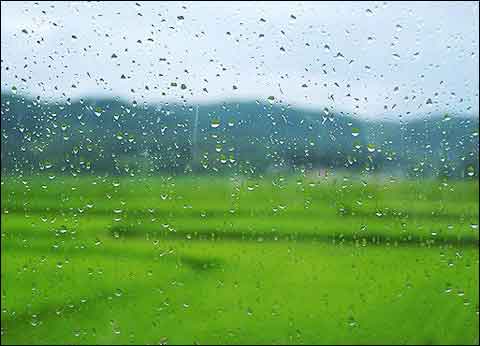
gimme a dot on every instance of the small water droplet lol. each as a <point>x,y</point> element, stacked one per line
<point>470,171</point>
<point>352,322</point>
<point>215,123</point>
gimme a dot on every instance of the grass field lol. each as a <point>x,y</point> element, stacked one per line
<point>229,260</point>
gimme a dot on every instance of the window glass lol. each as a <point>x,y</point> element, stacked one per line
<point>239,172</point>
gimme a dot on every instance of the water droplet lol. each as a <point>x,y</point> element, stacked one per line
<point>470,171</point>
<point>448,288</point>
<point>98,111</point>
<point>352,322</point>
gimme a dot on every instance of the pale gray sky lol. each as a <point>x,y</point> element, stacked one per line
<point>354,56</point>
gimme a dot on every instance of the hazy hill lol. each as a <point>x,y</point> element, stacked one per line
<point>111,136</point>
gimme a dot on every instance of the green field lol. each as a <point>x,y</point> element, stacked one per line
<point>239,260</point>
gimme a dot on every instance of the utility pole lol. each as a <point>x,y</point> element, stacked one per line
<point>194,162</point>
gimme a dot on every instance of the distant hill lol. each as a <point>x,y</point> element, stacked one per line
<point>115,137</point>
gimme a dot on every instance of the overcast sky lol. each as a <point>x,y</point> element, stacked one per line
<point>378,59</point>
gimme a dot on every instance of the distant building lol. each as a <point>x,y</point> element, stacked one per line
<point>319,172</point>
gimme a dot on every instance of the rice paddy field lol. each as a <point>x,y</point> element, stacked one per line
<point>235,260</point>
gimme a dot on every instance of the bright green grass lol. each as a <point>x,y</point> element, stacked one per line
<point>216,260</point>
